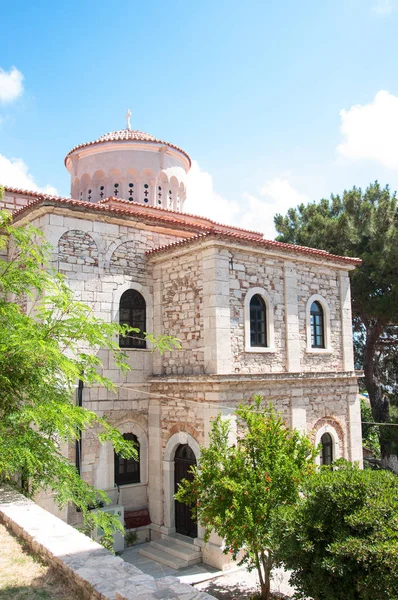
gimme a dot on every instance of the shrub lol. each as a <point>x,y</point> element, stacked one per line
<point>341,541</point>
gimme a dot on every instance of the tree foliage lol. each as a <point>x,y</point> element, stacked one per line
<point>370,432</point>
<point>365,225</point>
<point>341,539</point>
<point>43,354</point>
<point>237,490</point>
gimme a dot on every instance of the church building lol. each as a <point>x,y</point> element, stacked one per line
<point>254,316</point>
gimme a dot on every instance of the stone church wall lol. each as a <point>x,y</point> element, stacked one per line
<point>249,271</point>
<point>313,279</point>
<point>182,313</point>
<point>306,404</point>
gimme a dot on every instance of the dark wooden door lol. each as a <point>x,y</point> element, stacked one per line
<point>184,459</point>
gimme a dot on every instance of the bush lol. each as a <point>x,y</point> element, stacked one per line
<point>341,541</point>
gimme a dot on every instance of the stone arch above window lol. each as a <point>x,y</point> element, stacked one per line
<point>318,324</point>
<point>78,247</point>
<point>259,321</point>
<point>329,431</point>
<point>127,258</point>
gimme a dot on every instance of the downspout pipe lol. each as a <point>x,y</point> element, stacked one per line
<point>79,402</point>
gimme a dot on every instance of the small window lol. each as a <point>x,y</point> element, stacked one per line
<point>132,312</point>
<point>327,449</point>
<point>317,326</point>
<point>127,470</point>
<point>258,329</point>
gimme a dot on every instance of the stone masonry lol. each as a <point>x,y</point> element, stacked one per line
<point>197,279</point>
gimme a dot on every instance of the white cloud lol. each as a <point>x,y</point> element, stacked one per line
<point>384,7</point>
<point>10,85</point>
<point>255,213</point>
<point>371,130</point>
<point>278,195</point>
<point>204,201</point>
<point>15,173</point>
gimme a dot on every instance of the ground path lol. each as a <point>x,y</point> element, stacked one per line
<point>235,585</point>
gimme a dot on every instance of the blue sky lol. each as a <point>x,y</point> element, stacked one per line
<point>277,102</point>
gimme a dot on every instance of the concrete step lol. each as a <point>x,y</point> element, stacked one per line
<point>182,540</point>
<point>164,558</point>
<point>174,552</point>
<point>176,549</point>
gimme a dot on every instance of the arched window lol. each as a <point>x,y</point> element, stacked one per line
<point>327,449</point>
<point>132,312</point>
<point>258,325</point>
<point>317,326</point>
<point>127,470</point>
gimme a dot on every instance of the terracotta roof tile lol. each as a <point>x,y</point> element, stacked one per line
<point>133,207</point>
<point>131,135</point>
<point>218,234</point>
<point>206,228</point>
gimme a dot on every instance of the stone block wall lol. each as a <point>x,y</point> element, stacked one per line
<point>180,284</point>
<point>256,271</point>
<point>289,347</point>
<point>77,247</point>
<point>303,402</point>
<point>314,279</point>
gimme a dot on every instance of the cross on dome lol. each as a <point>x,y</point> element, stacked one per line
<point>128,115</point>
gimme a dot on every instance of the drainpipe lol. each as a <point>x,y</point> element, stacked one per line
<point>79,402</point>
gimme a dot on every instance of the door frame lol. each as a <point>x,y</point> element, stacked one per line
<point>168,478</point>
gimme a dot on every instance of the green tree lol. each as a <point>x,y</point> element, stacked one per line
<point>238,489</point>
<point>341,539</point>
<point>370,439</point>
<point>364,225</point>
<point>42,356</point>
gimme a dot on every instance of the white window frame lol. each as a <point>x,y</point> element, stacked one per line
<point>269,321</point>
<point>326,325</point>
<point>336,451</point>
<point>105,465</point>
<point>144,291</point>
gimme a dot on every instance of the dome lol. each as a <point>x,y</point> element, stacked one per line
<point>130,135</point>
<point>130,165</point>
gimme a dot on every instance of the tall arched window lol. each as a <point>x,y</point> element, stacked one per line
<point>317,326</point>
<point>127,470</point>
<point>132,312</point>
<point>327,449</point>
<point>258,325</point>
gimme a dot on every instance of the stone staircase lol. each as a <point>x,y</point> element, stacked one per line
<point>175,551</point>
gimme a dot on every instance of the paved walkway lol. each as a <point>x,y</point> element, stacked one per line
<point>194,574</point>
<point>230,585</point>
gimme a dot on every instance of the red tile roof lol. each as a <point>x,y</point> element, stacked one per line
<point>153,212</point>
<point>128,135</point>
<point>229,236</point>
<point>200,225</point>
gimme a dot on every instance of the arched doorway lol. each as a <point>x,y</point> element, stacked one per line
<point>183,460</point>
